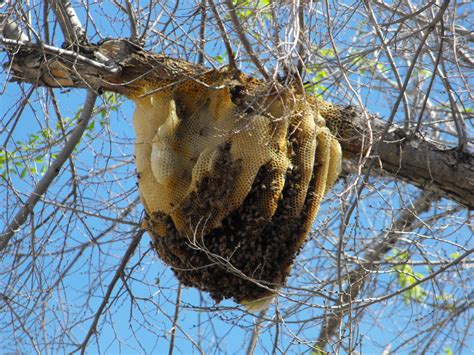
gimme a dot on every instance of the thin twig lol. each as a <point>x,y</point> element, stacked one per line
<point>256,332</point>
<point>175,319</point>
<point>410,15</point>
<point>225,38</point>
<point>465,56</point>
<point>427,91</point>
<point>301,42</point>
<point>370,301</point>
<point>357,278</point>
<point>120,270</point>
<point>43,185</point>
<point>245,42</point>
<point>202,32</point>
<point>133,21</point>
<point>390,119</point>
<point>391,60</point>
<point>147,26</point>
<point>69,21</point>
<point>457,118</point>
<point>431,27</point>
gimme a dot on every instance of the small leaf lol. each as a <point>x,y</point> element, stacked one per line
<point>455,255</point>
<point>219,59</point>
<point>327,52</point>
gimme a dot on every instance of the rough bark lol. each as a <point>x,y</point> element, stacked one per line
<point>120,66</point>
<point>412,158</point>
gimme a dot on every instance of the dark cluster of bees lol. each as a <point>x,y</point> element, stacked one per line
<point>250,255</point>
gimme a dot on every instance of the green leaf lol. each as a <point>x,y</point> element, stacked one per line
<point>327,52</point>
<point>219,59</point>
<point>408,277</point>
<point>455,255</point>
<point>318,351</point>
<point>245,9</point>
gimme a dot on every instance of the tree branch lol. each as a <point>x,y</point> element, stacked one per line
<point>401,154</point>
<point>175,319</point>
<point>225,38</point>
<point>357,278</point>
<point>51,173</point>
<point>243,38</point>
<point>120,270</point>
<point>256,332</point>
<point>64,54</point>
<point>410,157</point>
<point>69,21</point>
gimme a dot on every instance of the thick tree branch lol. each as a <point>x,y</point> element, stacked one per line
<point>10,29</point>
<point>412,158</point>
<point>121,66</point>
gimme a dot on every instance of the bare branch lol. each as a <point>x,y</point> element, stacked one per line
<point>175,319</point>
<point>403,94</point>
<point>356,278</point>
<point>407,156</point>
<point>371,261</point>
<point>202,32</point>
<point>225,38</point>
<point>410,157</point>
<point>256,331</point>
<point>51,173</point>
<point>10,29</point>
<point>431,276</point>
<point>466,57</point>
<point>245,42</point>
<point>133,21</point>
<point>69,22</point>
<point>118,274</point>
<point>64,53</point>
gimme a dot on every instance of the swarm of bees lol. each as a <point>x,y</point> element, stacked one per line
<point>231,174</point>
<point>231,170</point>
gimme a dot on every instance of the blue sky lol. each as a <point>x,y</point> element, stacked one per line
<point>143,323</point>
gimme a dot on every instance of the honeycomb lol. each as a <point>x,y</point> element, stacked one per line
<point>231,172</point>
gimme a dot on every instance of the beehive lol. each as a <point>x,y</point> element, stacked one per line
<point>231,174</point>
<point>231,170</point>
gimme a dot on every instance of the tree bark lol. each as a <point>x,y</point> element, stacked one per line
<point>120,66</point>
<point>412,158</point>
